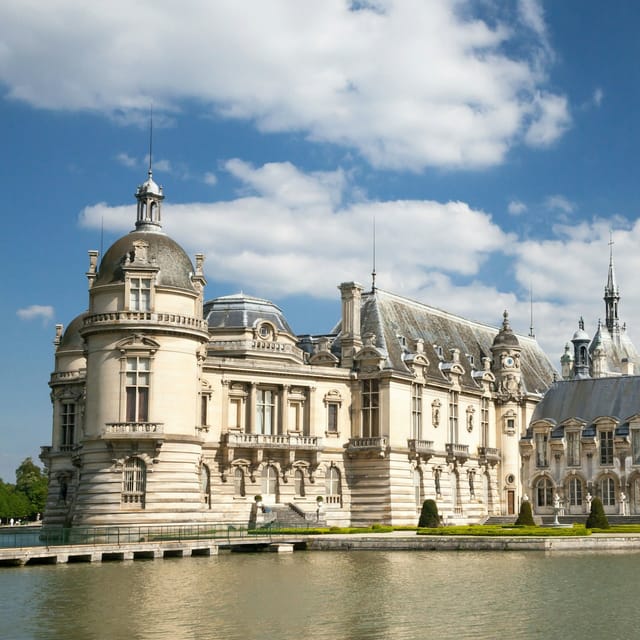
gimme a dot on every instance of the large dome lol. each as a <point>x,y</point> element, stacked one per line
<point>175,267</point>
<point>240,311</point>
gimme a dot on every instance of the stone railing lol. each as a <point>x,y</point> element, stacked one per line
<point>333,501</point>
<point>488,454</point>
<point>457,452</point>
<point>135,428</point>
<point>170,319</point>
<point>375,445</point>
<point>254,345</point>
<point>272,441</point>
<point>422,447</point>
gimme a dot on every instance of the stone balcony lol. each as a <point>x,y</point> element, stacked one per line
<point>237,440</point>
<point>168,320</point>
<point>458,453</point>
<point>488,455</point>
<point>133,430</point>
<point>376,446</point>
<point>421,448</point>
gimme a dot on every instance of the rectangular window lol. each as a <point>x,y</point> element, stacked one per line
<point>137,389</point>
<point>453,416</point>
<point>608,492</point>
<point>573,449</point>
<point>370,409</point>
<point>606,447</point>
<point>332,417</point>
<point>542,454</point>
<point>68,426</point>
<point>635,445</point>
<point>295,416</point>
<point>484,421</point>
<point>416,411</point>
<point>140,294</point>
<point>575,492</point>
<point>265,411</point>
<point>204,405</point>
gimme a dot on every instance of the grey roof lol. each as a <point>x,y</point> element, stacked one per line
<point>240,311</point>
<point>589,399</point>
<point>617,348</point>
<point>174,264</point>
<point>394,318</point>
<point>71,338</point>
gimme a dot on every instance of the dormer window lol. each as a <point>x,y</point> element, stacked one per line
<point>139,293</point>
<point>439,351</point>
<point>265,331</point>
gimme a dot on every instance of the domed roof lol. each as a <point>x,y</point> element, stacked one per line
<point>71,339</point>
<point>175,267</point>
<point>240,311</point>
<point>149,187</point>
<point>505,338</point>
<point>581,334</point>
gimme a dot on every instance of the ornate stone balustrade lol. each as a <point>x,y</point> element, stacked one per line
<point>422,447</point>
<point>457,452</point>
<point>488,454</point>
<point>372,445</point>
<point>254,345</point>
<point>271,441</point>
<point>145,317</point>
<point>137,429</point>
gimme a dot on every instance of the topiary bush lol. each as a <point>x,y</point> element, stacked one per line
<point>525,517</point>
<point>597,517</point>
<point>429,515</point>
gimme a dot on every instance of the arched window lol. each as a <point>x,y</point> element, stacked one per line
<point>608,492</point>
<point>333,486</point>
<point>575,492</point>
<point>298,482</point>
<point>134,482</point>
<point>544,492</point>
<point>238,482</point>
<point>205,484</point>
<point>270,481</point>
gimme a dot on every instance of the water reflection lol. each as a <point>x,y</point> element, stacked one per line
<point>318,596</point>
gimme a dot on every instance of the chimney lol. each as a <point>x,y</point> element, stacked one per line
<point>351,295</point>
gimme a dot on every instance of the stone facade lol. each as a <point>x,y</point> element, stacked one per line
<point>167,408</point>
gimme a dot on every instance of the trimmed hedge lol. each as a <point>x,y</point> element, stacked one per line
<point>429,515</point>
<point>525,517</point>
<point>597,518</point>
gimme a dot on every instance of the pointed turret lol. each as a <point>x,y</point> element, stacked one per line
<point>612,297</point>
<point>581,342</point>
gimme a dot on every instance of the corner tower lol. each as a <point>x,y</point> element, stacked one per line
<point>143,338</point>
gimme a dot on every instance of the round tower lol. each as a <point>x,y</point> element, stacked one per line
<point>580,343</point>
<point>140,448</point>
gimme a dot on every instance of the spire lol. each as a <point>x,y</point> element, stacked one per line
<point>373,272</point>
<point>611,294</point>
<point>149,196</point>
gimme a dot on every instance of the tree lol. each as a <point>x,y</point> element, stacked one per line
<point>32,483</point>
<point>597,517</point>
<point>525,517</point>
<point>429,515</point>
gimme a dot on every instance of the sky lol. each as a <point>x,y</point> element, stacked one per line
<point>491,143</point>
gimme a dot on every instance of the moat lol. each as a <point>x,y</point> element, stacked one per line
<point>357,595</point>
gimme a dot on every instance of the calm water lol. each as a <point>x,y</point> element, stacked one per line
<point>331,595</point>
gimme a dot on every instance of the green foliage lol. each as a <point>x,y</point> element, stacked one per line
<point>28,496</point>
<point>429,515</point>
<point>525,517</point>
<point>505,531</point>
<point>597,518</point>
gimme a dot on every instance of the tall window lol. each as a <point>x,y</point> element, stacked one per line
<point>575,492</point>
<point>370,409</point>
<point>416,411</point>
<point>542,453</point>
<point>484,421</point>
<point>238,482</point>
<point>270,481</point>
<point>68,426</point>
<point>635,446</point>
<point>204,405</point>
<point>332,417</point>
<point>205,484</point>
<point>606,447</point>
<point>137,389</point>
<point>332,486</point>
<point>134,482</point>
<point>140,294</point>
<point>544,492</point>
<point>298,483</point>
<point>573,448</point>
<point>453,416</point>
<point>266,411</point>
<point>608,492</point>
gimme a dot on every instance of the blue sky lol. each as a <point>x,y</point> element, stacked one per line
<point>494,143</point>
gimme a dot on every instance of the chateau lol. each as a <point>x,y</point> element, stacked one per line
<point>584,437</point>
<point>168,408</point>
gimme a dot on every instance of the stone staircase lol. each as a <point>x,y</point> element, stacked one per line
<point>290,516</point>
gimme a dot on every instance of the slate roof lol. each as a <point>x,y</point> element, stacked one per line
<point>240,311</point>
<point>589,399</point>
<point>398,322</point>
<point>616,348</point>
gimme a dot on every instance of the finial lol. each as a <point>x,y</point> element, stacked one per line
<point>581,323</point>
<point>150,137</point>
<point>505,321</point>
<point>373,272</point>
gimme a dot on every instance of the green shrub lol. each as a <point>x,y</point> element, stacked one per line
<point>525,517</point>
<point>597,518</point>
<point>429,515</point>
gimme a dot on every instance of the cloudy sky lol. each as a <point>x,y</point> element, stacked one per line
<point>494,144</point>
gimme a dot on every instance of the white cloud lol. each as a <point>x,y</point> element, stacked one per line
<point>36,311</point>
<point>559,203</point>
<point>598,95</point>
<point>410,84</point>
<point>126,160</point>
<point>515,207</point>
<point>210,178</point>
